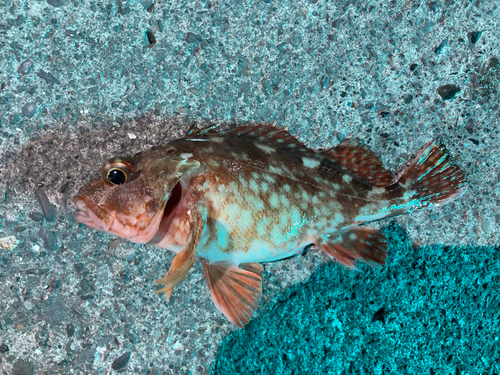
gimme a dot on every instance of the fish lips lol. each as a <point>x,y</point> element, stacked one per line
<point>98,218</point>
<point>91,214</point>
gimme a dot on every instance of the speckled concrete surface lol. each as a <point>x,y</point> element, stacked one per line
<point>81,81</point>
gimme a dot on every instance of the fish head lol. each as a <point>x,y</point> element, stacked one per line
<point>130,197</point>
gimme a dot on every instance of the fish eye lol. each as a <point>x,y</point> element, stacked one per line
<point>116,172</point>
<point>117,176</point>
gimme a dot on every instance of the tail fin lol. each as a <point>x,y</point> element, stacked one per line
<point>433,177</point>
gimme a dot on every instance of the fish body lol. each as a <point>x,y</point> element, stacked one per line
<point>237,198</point>
<point>262,205</point>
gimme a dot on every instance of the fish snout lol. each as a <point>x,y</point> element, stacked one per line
<point>90,214</point>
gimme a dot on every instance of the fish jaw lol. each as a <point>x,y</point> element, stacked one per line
<point>134,214</point>
<point>95,217</point>
<point>91,214</point>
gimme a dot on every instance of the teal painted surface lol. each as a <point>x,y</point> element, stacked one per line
<point>428,311</point>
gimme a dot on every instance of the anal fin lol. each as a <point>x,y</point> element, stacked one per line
<point>366,244</point>
<point>235,290</point>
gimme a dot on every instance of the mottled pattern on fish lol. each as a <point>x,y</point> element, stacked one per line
<point>236,198</point>
<point>265,203</point>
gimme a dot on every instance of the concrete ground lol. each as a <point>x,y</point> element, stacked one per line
<point>82,81</point>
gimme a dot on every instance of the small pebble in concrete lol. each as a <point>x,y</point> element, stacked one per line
<point>29,109</point>
<point>36,216</point>
<point>25,66</point>
<point>448,92</point>
<point>193,38</point>
<point>70,329</point>
<point>486,226</point>
<point>48,238</point>
<point>48,77</point>
<point>474,36</point>
<point>49,210</point>
<point>121,361</point>
<point>21,368</point>
<point>55,284</point>
<point>56,3</point>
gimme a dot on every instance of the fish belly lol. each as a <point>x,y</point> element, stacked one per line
<point>245,232</point>
<point>216,249</point>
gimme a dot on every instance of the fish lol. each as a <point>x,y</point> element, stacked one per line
<point>234,199</point>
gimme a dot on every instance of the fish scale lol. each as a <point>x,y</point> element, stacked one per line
<point>281,233</point>
<point>234,199</point>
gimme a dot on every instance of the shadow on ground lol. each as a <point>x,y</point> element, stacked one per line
<point>432,309</point>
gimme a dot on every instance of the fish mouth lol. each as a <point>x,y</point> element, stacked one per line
<point>91,214</point>
<point>98,218</point>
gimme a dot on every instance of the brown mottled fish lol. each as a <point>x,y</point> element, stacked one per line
<point>236,198</point>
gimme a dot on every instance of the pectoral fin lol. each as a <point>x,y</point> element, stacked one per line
<point>362,243</point>
<point>184,260</point>
<point>235,290</point>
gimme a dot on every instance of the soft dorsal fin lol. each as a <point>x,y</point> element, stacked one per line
<point>235,290</point>
<point>359,160</point>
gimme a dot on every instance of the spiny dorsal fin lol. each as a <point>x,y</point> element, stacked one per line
<point>269,135</point>
<point>349,156</point>
<point>357,159</point>
<point>194,131</point>
<point>264,135</point>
